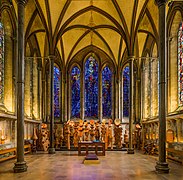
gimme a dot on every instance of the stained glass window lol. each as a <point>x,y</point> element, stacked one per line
<point>75,92</point>
<point>106,92</point>
<point>180,63</point>
<point>57,77</point>
<point>91,88</point>
<point>1,63</point>
<point>126,91</point>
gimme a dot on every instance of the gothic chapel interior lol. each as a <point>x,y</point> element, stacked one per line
<point>108,71</point>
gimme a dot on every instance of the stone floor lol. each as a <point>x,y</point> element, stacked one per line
<point>68,165</point>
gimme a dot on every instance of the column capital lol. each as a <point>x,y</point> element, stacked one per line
<point>51,57</point>
<point>23,2</point>
<point>39,68</point>
<point>131,58</point>
<point>160,2</point>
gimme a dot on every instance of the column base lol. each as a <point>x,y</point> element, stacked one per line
<point>130,151</point>
<point>51,150</point>
<point>162,167</point>
<point>20,167</point>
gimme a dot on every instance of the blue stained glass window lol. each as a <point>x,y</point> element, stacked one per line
<point>91,88</point>
<point>75,92</point>
<point>126,91</point>
<point>57,78</point>
<point>180,64</point>
<point>1,63</point>
<point>107,92</point>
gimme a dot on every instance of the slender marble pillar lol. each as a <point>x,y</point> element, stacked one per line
<point>51,148</point>
<point>100,111</point>
<point>60,96</point>
<point>161,165</point>
<point>82,96</point>
<point>20,165</point>
<point>69,96</point>
<point>131,149</point>
<point>117,96</point>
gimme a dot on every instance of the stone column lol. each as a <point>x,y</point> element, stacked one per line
<point>69,95</point>
<point>100,109</point>
<point>161,165</point>
<point>114,96</point>
<point>20,165</point>
<point>116,87</point>
<point>15,50</point>
<point>51,148</point>
<point>130,149</point>
<point>60,96</point>
<point>82,96</point>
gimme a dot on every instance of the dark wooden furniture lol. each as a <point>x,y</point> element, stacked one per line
<point>7,154</point>
<point>90,145</point>
<point>10,153</point>
<point>174,154</point>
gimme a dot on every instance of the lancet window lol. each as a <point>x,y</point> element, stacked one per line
<point>75,92</point>
<point>126,91</point>
<point>91,87</point>
<point>57,77</point>
<point>107,92</point>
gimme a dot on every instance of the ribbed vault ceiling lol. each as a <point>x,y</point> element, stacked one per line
<point>68,26</point>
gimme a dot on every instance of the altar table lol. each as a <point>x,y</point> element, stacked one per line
<point>90,144</point>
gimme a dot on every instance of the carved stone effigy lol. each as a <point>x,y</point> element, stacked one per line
<point>44,135</point>
<point>97,131</point>
<point>80,130</point>
<point>86,131</point>
<point>103,131</point>
<point>92,130</point>
<point>76,137</point>
<point>110,135</point>
<point>67,134</point>
<point>71,126</point>
<point>118,134</point>
<point>126,139</point>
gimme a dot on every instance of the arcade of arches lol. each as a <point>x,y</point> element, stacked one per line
<point>82,70</point>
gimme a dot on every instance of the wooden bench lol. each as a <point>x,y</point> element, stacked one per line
<point>7,154</point>
<point>10,153</point>
<point>175,152</point>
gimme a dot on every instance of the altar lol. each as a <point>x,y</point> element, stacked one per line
<point>90,146</point>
